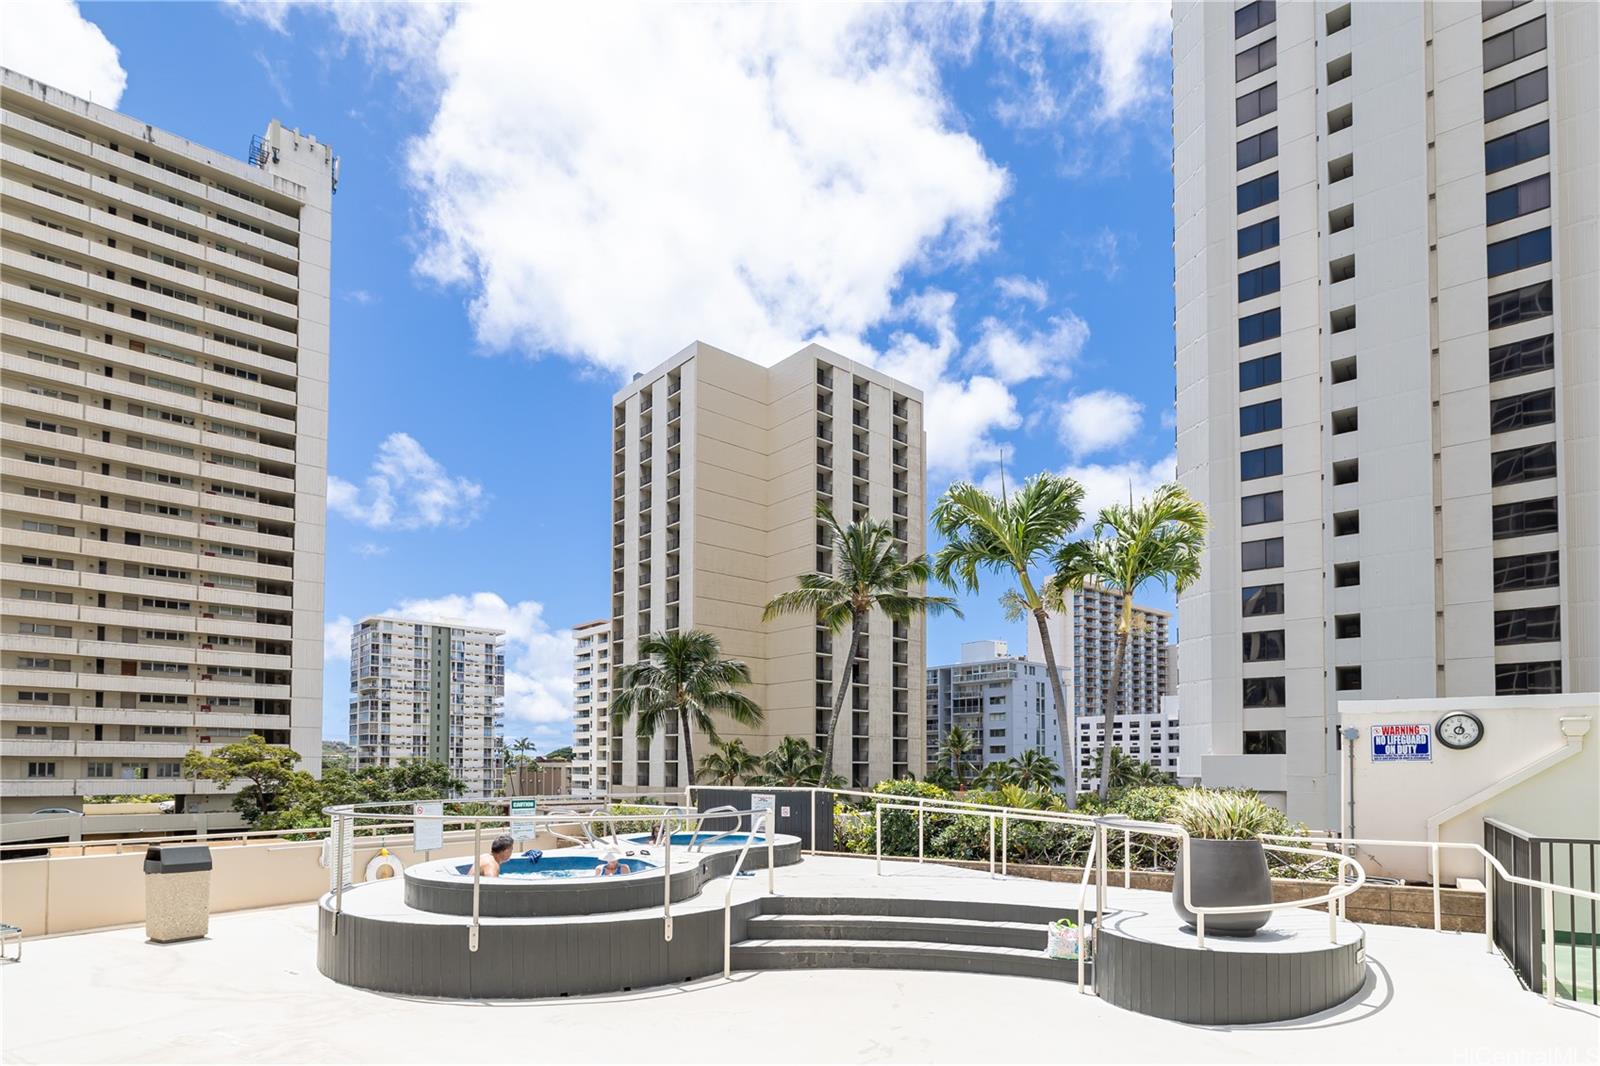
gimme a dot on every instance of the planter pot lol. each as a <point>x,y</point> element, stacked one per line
<point>1225,873</point>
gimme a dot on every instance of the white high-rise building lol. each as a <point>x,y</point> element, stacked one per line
<point>1387,263</point>
<point>718,468</point>
<point>591,704</point>
<point>430,692</point>
<point>1001,699</point>
<point>1086,654</point>
<point>163,471</point>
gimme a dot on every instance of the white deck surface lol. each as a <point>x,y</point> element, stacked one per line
<point>251,993</point>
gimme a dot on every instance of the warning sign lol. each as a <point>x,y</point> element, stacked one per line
<point>1402,743</point>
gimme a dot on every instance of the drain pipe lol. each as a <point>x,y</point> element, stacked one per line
<point>1350,734</point>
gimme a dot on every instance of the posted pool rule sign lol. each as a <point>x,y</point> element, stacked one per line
<point>522,812</point>
<point>426,832</point>
<point>1402,743</point>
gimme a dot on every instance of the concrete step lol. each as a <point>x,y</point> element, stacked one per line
<point>888,906</point>
<point>877,927</point>
<point>902,955</point>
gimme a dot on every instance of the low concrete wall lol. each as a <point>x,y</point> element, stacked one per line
<point>1460,909</point>
<point>73,894</point>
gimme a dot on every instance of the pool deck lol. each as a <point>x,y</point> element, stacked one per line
<point>251,993</point>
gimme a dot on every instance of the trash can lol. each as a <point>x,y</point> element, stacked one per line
<point>177,892</point>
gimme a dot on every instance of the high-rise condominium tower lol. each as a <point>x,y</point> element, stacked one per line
<point>429,692</point>
<point>1003,701</point>
<point>718,468</point>
<point>591,701</point>
<point>1387,259</point>
<point>164,463</point>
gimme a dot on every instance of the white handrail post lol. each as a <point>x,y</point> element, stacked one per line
<point>991,845</point>
<point>922,808</point>
<point>1127,858</point>
<point>1434,848</point>
<point>772,866</point>
<point>477,875</point>
<point>1549,916</point>
<point>1005,844</point>
<point>1083,885</point>
<point>666,886</point>
<point>1333,916</point>
<point>1488,907</point>
<point>877,818</point>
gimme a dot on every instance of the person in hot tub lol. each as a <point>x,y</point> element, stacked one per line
<point>499,852</point>
<point>610,864</point>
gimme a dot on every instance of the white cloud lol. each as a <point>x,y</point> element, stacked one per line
<point>407,489</point>
<point>1125,42</point>
<point>1094,421</point>
<point>1017,355</point>
<point>1023,289</point>
<point>51,41</point>
<point>370,550</point>
<point>1107,484</point>
<point>336,639</point>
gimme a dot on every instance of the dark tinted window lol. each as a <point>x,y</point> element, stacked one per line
<point>1261,462</point>
<point>1491,8</point>
<point>1514,253</point>
<point>1258,237</point>
<point>1264,691</point>
<point>1263,145</point>
<point>1515,679</point>
<point>1526,409</point>
<point>1254,373</point>
<point>1254,16</point>
<point>1263,647</point>
<point>1261,554</point>
<point>1513,44</point>
<point>1516,465</point>
<point>1252,105</point>
<point>1264,326</point>
<point>1261,281</point>
<point>1525,518</point>
<point>1257,58</point>
<point>1262,190</point>
<point>1265,507</point>
<point>1515,95</point>
<point>1521,305</point>
<point>1260,417</point>
<point>1531,142</point>
<point>1264,742</point>
<point>1536,570</point>
<point>1262,599</point>
<point>1522,198</point>
<point>1522,357</point>
<point>1527,625</point>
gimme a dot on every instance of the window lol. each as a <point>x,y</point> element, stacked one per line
<point>1254,16</point>
<point>1254,373</point>
<point>1254,193</point>
<point>1346,575</point>
<point>169,769</point>
<point>1530,142</point>
<point>1347,678</point>
<point>1253,329</point>
<point>99,769</point>
<point>1265,646</point>
<point>1266,507</point>
<point>1527,625</point>
<point>1260,417</point>
<point>1491,8</point>
<point>1514,44</point>
<point>1513,96</point>
<point>1264,742</point>
<point>1525,518</point>
<point>1263,56</point>
<point>1258,237</point>
<point>1526,409</point>
<point>1252,105</point>
<point>1262,599</point>
<point>1536,570</point>
<point>1513,201</point>
<point>1521,305</point>
<point>1515,253</point>
<point>1522,357</point>
<point>1261,462</point>
<point>1346,523</point>
<point>1253,150</point>
<point>1261,281</point>
<point>1346,626</point>
<point>1515,679</point>
<point>1264,691</point>
<point>1516,465</point>
<point>1261,554</point>
<point>41,769</point>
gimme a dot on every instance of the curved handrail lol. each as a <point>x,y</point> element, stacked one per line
<point>756,825</point>
<point>696,844</point>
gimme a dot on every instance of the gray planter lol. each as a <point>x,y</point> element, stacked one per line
<point>1225,873</point>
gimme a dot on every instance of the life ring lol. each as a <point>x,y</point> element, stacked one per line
<point>381,862</point>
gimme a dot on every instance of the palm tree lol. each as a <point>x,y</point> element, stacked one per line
<point>727,762</point>
<point>1036,770</point>
<point>524,748</point>
<point>1128,772</point>
<point>995,775</point>
<point>1158,539</point>
<point>1009,535</point>
<point>793,764</point>
<point>869,575</point>
<point>957,749</point>
<point>683,677</point>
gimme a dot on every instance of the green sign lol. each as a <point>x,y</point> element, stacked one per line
<point>522,815</point>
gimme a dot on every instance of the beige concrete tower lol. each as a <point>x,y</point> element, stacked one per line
<point>718,468</point>
<point>591,707</point>
<point>164,464</point>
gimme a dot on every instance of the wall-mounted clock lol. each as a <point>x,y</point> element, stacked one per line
<point>1459,730</point>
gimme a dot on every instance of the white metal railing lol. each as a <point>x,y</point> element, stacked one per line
<point>763,824</point>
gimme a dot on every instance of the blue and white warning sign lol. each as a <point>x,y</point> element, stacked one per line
<point>1402,743</point>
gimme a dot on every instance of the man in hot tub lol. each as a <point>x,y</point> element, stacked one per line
<point>610,864</point>
<point>499,852</point>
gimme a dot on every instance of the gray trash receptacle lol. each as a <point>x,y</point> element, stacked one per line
<point>177,892</point>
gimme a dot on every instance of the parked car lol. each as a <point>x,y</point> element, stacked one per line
<point>56,810</point>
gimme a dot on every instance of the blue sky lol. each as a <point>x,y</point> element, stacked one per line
<point>532,205</point>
